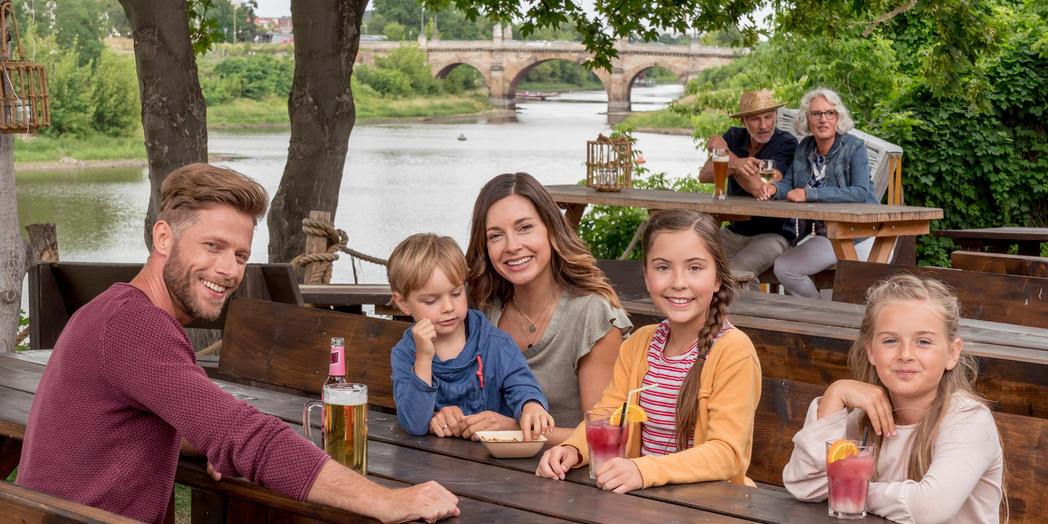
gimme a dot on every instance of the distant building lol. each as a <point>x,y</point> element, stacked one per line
<point>274,38</point>
<point>274,25</point>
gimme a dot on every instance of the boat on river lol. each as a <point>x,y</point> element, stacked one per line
<point>536,95</point>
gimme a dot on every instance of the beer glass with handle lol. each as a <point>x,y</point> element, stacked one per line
<point>720,158</point>
<point>345,408</point>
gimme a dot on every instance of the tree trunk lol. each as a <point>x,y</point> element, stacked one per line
<point>173,114</point>
<point>12,248</point>
<point>327,36</point>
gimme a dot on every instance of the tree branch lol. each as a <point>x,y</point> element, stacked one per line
<point>888,16</point>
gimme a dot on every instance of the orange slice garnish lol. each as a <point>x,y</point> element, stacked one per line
<point>634,413</point>
<point>840,450</point>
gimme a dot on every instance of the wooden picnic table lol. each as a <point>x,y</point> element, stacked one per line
<point>843,221</point>
<point>999,239</point>
<point>490,489</point>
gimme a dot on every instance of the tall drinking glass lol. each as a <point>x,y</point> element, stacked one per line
<point>345,424</point>
<point>849,479</point>
<point>605,440</point>
<point>720,157</point>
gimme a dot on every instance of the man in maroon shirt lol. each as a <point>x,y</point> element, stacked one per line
<point>122,393</point>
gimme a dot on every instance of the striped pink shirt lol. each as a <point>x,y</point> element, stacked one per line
<point>660,402</point>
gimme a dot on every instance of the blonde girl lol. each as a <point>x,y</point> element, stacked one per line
<point>705,372</point>
<point>940,457</point>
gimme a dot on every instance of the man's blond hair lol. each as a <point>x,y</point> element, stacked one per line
<point>191,188</point>
<point>412,262</point>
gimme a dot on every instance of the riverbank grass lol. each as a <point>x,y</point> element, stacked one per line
<point>661,119</point>
<point>42,148</point>
<point>244,112</point>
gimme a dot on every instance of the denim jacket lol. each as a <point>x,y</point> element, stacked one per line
<point>847,172</point>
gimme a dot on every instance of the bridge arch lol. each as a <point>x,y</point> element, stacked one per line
<point>517,74</point>
<point>503,62</point>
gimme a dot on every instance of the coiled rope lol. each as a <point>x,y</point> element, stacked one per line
<point>336,241</point>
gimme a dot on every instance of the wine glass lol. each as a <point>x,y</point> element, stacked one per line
<point>767,171</point>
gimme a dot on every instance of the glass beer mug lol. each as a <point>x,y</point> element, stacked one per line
<point>345,408</point>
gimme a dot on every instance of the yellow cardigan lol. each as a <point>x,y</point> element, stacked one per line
<point>729,390</point>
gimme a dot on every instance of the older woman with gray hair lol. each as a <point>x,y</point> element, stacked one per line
<point>829,166</point>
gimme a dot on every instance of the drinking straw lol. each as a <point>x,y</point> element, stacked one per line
<point>626,404</point>
<point>865,435</point>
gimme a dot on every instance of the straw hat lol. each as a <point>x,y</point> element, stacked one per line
<point>756,102</point>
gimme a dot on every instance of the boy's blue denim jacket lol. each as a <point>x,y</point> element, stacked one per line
<point>847,172</point>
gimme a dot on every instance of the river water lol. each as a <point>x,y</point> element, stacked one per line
<point>400,178</point>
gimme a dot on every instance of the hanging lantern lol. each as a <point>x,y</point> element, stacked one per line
<point>23,84</point>
<point>609,163</point>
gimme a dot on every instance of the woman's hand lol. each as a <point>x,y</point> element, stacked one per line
<point>862,395</point>
<point>797,195</point>
<point>619,475</point>
<point>535,420</point>
<point>556,461</point>
<point>484,421</point>
<point>767,191</point>
<point>448,422</point>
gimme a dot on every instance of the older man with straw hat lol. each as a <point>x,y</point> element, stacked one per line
<point>752,245</point>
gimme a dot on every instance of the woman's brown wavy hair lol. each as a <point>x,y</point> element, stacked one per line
<point>708,230</point>
<point>574,267</point>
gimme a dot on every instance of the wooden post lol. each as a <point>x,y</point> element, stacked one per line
<point>43,240</point>
<point>316,244</point>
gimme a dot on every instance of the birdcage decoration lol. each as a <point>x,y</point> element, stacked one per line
<point>609,163</point>
<point>23,85</point>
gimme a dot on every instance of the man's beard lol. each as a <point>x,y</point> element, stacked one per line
<point>180,283</point>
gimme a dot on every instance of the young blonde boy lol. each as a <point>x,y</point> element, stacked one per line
<point>453,372</point>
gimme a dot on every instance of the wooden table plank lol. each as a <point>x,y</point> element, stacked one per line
<point>193,473</point>
<point>742,206</point>
<point>1029,239</point>
<point>523,490</point>
<point>757,504</point>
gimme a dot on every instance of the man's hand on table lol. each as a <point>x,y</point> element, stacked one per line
<point>487,420</point>
<point>428,501</point>
<point>448,422</point>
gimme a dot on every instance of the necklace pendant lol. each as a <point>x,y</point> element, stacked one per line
<point>531,346</point>
<point>532,328</point>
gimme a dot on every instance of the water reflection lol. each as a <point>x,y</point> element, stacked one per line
<point>97,212</point>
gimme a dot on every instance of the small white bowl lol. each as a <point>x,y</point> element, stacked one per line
<point>509,444</point>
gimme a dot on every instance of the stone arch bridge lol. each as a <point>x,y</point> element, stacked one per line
<point>503,63</point>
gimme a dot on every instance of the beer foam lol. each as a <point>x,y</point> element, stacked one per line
<point>346,394</point>
<point>724,158</point>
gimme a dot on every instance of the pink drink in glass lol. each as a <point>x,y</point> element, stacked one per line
<point>605,440</point>
<point>849,479</point>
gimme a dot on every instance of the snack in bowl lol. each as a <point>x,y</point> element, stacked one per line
<point>509,444</point>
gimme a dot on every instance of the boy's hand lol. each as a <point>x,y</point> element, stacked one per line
<point>556,461</point>
<point>487,420</point>
<point>424,333</point>
<point>535,420</point>
<point>619,475</point>
<point>448,422</point>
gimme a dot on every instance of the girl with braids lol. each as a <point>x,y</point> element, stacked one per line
<point>940,457</point>
<point>704,372</point>
<point>534,278</point>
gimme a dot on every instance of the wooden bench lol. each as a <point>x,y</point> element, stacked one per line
<point>1012,299</point>
<point>58,289</point>
<point>28,506</point>
<point>808,340</point>
<point>269,344</point>
<point>1023,265</point>
<point>781,414</point>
